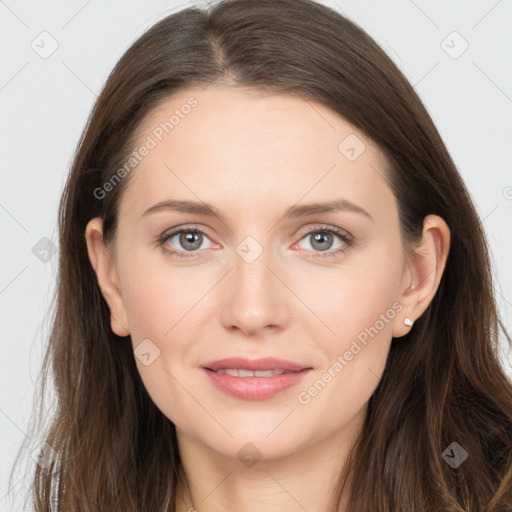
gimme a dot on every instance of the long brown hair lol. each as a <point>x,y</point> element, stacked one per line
<point>112,447</point>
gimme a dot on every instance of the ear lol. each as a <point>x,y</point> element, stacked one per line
<point>104,266</point>
<point>423,270</point>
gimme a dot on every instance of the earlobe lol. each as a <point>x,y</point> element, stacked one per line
<point>423,272</point>
<point>104,266</point>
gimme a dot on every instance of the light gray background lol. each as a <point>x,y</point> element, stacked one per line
<point>44,103</point>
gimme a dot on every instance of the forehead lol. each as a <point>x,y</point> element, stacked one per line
<point>240,144</point>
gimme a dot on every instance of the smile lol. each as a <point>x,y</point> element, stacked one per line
<point>254,384</point>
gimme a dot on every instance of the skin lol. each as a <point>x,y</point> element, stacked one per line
<point>252,156</point>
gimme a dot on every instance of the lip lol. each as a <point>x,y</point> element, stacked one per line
<point>265,363</point>
<point>255,388</point>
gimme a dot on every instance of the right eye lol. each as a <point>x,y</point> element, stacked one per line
<point>190,238</point>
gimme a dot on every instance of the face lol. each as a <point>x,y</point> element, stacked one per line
<point>263,276</point>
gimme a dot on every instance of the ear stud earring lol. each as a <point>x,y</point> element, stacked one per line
<point>408,321</point>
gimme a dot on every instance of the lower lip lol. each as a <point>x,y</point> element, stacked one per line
<point>255,388</point>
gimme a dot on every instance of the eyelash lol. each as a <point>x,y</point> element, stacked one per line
<point>346,238</point>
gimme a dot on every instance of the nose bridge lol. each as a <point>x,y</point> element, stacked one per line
<point>251,266</point>
<point>256,298</point>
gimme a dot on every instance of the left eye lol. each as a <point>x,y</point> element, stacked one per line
<point>322,240</point>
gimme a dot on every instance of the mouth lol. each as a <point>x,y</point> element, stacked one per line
<point>257,379</point>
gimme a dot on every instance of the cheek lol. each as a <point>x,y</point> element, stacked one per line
<point>157,294</point>
<point>151,306</point>
<point>159,308</point>
<point>167,304</point>
<point>358,304</point>
<point>358,294</point>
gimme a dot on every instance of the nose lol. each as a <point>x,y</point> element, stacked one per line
<point>255,298</point>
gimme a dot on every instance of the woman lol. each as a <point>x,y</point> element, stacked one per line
<point>274,290</point>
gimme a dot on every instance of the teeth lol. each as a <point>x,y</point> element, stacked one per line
<point>250,373</point>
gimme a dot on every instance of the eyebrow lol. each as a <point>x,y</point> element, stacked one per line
<point>295,211</point>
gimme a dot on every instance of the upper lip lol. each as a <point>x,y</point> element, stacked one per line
<point>266,363</point>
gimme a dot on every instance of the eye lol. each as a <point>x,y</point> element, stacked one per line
<point>322,239</point>
<point>190,238</point>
